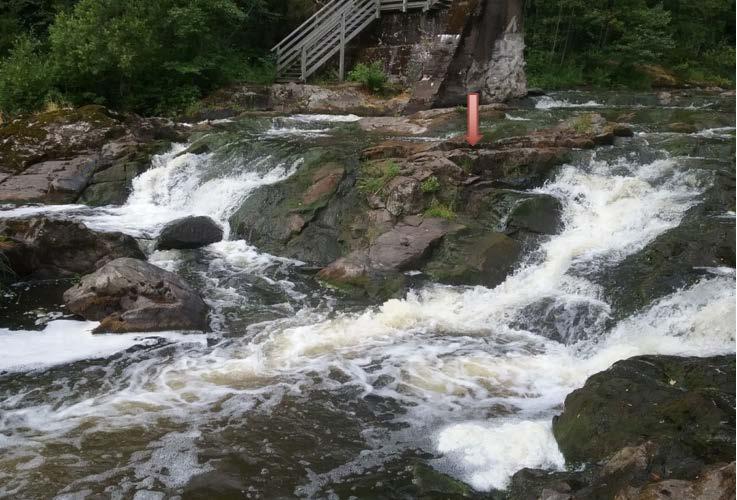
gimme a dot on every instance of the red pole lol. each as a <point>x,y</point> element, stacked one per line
<point>473,136</point>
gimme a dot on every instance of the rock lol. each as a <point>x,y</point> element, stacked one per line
<point>485,259</point>
<point>51,157</point>
<point>404,196</point>
<point>658,75</point>
<point>682,128</point>
<point>392,125</point>
<point>537,214</point>
<point>714,483</point>
<point>490,56</point>
<point>189,232</point>
<point>129,295</point>
<point>324,183</point>
<point>394,149</point>
<point>678,257</point>
<point>49,182</point>
<point>56,134</point>
<point>401,248</point>
<point>43,248</point>
<point>346,98</point>
<point>683,405</point>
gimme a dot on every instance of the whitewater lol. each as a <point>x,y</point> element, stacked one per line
<point>471,375</point>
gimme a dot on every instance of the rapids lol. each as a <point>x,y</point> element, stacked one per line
<point>296,393</point>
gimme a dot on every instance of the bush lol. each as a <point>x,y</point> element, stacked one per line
<point>430,185</point>
<point>371,76</point>
<point>26,78</point>
<point>438,209</point>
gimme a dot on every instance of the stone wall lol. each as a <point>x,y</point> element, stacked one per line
<point>472,45</point>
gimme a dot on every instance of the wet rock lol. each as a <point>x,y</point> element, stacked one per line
<point>683,405</point>
<point>537,214</point>
<point>392,125</point>
<point>394,149</point>
<point>189,232</point>
<point>129,295</point>
<point>324,183</point>
<point>682,128</point>
<point>472,259</point>
<point>403,247</point>
<point>704,240</point>
<point>307,216</point>
<point>43,248</point>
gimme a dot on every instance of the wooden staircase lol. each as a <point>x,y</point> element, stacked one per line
<point>326,34</point>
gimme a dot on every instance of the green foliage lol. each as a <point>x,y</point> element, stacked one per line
<point>371,76</point>
<point>430,185</point>
<point>601,43</point>
<point>375,176</point>
<point>151,57</point>
<point>26,78</point>
<point>439,209</point>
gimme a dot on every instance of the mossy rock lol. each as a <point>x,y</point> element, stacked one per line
<point>470,258</point>
<point>683,405</point>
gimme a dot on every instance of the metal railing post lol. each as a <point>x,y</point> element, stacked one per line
<point>378,9</point>
<point>304,64</point>
<point>341,70</point>
<point>404,5</point>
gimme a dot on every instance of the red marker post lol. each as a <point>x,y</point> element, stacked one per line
<point>473,136</point>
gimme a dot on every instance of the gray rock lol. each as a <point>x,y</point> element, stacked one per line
<point>43,248</point>
<point>129,295</point>
<point>537,214</point>
<point>50,182</point>
<point>189,232</point>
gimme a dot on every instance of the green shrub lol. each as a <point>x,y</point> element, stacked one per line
<point>374,177</point>
<point>26,78</point>
<point>438,209</point>
<point>430,185</point>
<point>371,76</point>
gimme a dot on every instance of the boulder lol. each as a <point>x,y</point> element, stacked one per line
<point>539,214</point>
<point>49,182</point>
<point>129,295</point>
<point>189,232</point>
<point>683,405</point>
<point>402,248</point>
<point>472,259</point>
<point>393,125</point>
<point>44,248</point>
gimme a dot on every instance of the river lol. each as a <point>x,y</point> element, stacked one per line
<point>297,392</point>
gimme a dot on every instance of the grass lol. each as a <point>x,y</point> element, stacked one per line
<point>441,210</point>
<point>430,185</point>
<point>583,124</point>
<point>375,176</point>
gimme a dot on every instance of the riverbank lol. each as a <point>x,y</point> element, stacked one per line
<point>580,257</point>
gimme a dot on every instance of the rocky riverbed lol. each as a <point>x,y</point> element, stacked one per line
<point>335,306</point>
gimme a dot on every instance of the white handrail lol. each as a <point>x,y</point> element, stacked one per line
<point>326,33</point>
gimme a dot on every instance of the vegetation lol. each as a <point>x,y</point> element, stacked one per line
<point>430,185</point>
<point>604,43</point>
<point>375,176</point>
<point>151,57</point>
<point>439,209</point>
<point>159,57</point>
<point>371,76</point>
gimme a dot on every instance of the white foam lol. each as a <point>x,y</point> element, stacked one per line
<point>547,102</point>
<point>325,118</point>
<point>66,341</point>
<point>490,454</point>
<point>515,118</point>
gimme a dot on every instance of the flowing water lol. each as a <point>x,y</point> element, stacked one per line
<point>296,393</point>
